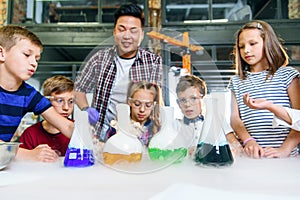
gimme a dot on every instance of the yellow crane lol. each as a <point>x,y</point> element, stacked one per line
<point>186,58</point>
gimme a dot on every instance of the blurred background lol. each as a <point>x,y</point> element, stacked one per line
<point>70,30</point>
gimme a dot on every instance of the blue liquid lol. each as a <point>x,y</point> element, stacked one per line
<point>74,158</point>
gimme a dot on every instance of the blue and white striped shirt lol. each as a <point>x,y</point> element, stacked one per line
<point>259,122</point>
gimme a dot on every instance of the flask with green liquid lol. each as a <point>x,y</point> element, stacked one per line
<point>168,144</point>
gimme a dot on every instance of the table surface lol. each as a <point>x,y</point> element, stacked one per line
<point>245,179</point>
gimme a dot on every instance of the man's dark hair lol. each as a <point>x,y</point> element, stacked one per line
<point>130,10</point>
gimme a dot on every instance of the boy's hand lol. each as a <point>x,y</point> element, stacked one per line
<point>44,153</point>
<point>93,115</point>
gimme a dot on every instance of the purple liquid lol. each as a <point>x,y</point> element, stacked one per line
<point>75,158</point>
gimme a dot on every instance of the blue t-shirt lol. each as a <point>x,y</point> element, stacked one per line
<point>14,105</point>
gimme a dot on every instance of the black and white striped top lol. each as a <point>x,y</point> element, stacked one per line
<point>259,122</point>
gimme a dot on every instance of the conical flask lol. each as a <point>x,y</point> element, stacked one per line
<point>168,143</point>
<point>124,146</point>
<point>80,149</point>
<point>213,148</point>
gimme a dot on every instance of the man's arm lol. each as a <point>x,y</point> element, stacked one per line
<point>81,100</point>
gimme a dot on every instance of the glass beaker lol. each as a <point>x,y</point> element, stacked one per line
<point>213,148</point>
<point>124,146</point>
<point>167,143</point>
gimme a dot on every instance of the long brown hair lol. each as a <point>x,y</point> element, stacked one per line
<point>275,53</point>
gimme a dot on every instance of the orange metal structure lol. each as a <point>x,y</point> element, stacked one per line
<point>186,58</point>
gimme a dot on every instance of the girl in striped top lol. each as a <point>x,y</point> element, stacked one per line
<point>261,62</point>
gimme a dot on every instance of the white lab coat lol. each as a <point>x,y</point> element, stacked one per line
<point>295,116</point>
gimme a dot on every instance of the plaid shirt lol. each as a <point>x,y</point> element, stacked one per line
<point>99,73</point>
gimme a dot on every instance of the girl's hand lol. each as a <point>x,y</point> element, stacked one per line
<point>256,103</point>
<point>276,153</point>
<point>253,150</point>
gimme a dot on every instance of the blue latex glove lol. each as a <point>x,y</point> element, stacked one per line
<point>93,115</point>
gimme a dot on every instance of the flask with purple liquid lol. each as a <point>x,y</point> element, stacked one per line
<point>80,148</point>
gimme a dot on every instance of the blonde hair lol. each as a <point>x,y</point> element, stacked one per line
<point>57,85</point>
<point>155,89</point>
<point>11,34</point>
<point>275,53</point>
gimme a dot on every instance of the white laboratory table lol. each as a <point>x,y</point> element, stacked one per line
<point>245,179</point>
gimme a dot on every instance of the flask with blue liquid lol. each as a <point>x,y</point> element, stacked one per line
<point>80,149</point>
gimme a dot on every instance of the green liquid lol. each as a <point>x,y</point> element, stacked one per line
<point>166,154</point>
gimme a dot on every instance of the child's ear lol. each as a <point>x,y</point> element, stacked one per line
<point>2,53</point>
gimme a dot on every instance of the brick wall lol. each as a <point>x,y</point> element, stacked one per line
<point>2,11</point>
<point>294,9</point>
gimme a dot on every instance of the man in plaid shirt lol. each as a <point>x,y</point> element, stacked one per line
<point>108,72</point>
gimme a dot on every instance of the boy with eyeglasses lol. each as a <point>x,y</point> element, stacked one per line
<point>42,141</point>
<point>190,91</point>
